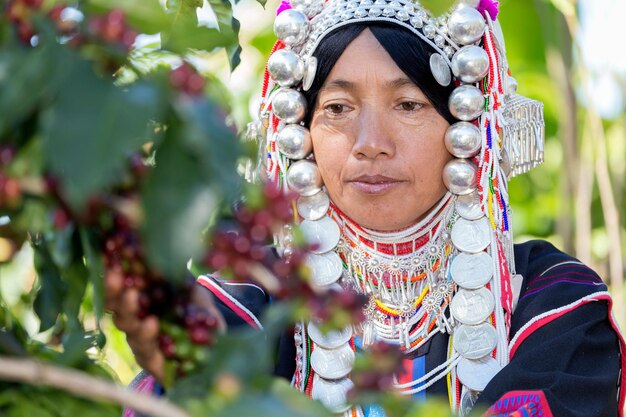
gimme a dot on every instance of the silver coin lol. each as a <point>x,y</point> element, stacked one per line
<point>440,69</point>
<point>313,207</point>
<point>472,306</point>
<point>332,363</point>
<point>476,374</point>
<point>332,394</point>
<point>325,269</point>
<point>472,271</point>
<point>468,399</point>
<point>329,340</point>
<point>475,342</point>
<point>468,206</point>
<point>471,236</point>
<point>324,234</point>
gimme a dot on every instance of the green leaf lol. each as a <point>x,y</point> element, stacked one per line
<point>49,300</point>
<point>227,24</point>
<point>181,38</point>
<point>145,16</point>
<point>92,129</point>
<point>206,134</point>
<point>26,77</point>
<point>178,204</point>
<point>75,278</point>
<point>10,345</point>
<point>437,7</point>
<point>96,272</point>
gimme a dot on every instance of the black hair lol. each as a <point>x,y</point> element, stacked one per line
<point>410,54</point>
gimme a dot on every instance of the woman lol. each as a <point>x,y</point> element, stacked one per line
<point>415,127</point>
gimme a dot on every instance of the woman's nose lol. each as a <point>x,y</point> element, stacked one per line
<point>373,136</point>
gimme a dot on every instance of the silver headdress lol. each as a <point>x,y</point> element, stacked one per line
<point>499,134</point>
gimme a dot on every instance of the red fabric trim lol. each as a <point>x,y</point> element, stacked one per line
<point>219,293</point>
<point>520,404</point>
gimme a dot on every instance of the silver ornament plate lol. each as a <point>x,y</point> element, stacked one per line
<point>331,339</point>
<point>323,233</point>
<point>476,374</point>
<point>475,342</point>
<point>325,269</point>
<point>471,236</point>
<point>472,271</point>
<point>332,394</point>
<point>468,206</point>
<point>472,306</point>
<point>440,69</point>
<point>313,207</point>
<point>332,363</point>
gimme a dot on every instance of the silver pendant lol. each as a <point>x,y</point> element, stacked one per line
<point>468,206</point>
<point>313,207</point>
<point>476,374</point>
<point>324,234</point>
<point>440,69</point>
<point>332,394</point>
<point>468,399</point>
<point>475,342</point>
<point>331,339</point>
<point>472,306</point>
<point>332,364</point>
<point>471,236</point>
<point>472,271</point>
<point>325,269</point>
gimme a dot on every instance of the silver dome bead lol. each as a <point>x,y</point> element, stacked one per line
<point>470,64</point>
<point>291,26</point>
<point>308,7</point>
<point>463,140</point>
<point>429,31</point>
<point>285,67</point>
<point>466,102</point>
<point>294,141</point>
<point>304,178</point>
<point>466,25</point>
<point>289,105</point>
<point>459,175</point>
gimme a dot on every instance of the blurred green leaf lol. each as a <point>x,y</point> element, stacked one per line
<point>227,24</point>
<point>145,16</point>
<point>93,127</point>
<point>49,300</point>
<point>75,278</point>
<point>96,273</point>
<point>181,38</point>
<point>178,202</point>
<point>437,7</point>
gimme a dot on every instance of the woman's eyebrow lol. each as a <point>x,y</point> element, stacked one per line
<point>340,84</point>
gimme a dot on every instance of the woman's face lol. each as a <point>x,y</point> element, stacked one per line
<point>378,141</point>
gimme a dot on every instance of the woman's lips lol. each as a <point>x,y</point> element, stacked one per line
<point>374,184</point>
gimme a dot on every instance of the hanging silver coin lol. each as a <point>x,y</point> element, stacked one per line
<point>468,399</point>
<point>471,236</point>
<point>332,394</point>
<point>468,206</point>
<point>325,269</point>
<point>475,342</point>
<point>310,68</point>
<point>324,234</point>
<point>476,374</point>
<point>313,207</point>
<point>332,364</point>
<point>472,306</point>
<point>472,271</point>
<point>331,339</point>
<point>440,69</point>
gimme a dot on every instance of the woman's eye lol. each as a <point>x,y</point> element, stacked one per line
<point>335,109</point>
<point>410,106</point>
